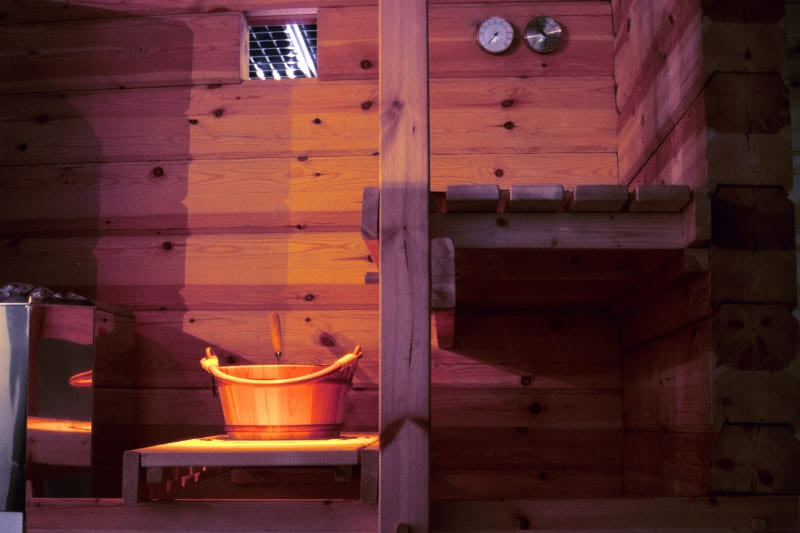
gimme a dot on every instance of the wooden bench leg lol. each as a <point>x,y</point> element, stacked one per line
<point>370,459</point>
<point>133,478</point>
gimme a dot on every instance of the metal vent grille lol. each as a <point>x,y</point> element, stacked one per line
<point>287,51</point>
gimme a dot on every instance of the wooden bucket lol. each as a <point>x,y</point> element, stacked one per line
<point>283,401</point>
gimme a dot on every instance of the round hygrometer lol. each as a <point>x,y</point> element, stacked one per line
<point>496,35</point>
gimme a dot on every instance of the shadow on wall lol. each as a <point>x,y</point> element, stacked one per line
<point>81,159</point>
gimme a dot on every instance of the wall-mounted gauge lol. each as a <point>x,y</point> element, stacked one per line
<point>496,35</point>
<point>543,34</point>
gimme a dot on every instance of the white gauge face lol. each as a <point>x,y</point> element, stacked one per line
<point>495,35</point>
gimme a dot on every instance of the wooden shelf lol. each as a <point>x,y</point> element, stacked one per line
<point>541,246</point>
<point>177,463</point>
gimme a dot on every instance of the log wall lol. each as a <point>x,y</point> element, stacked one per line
<point>703,100</point>
<point>136,167</point>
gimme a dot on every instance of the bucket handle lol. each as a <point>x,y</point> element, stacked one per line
<point>210,364</point>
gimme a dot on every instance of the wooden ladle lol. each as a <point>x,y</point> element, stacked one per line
<point>275,330</point>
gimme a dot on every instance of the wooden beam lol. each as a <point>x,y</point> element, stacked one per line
<point>561,230</point>
<point>405,274</point>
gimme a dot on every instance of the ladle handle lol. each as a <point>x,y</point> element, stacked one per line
<point>275,330</point>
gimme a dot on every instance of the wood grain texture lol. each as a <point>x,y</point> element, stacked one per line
<point>676,270</point>
<point>493,484</point>
<point>245,195</point>
<point>646,35</point>
<point>552,350</point>
<point>750,396</point>
<point>480,264</point>
<point>348,36</point>
<point>16,11</point>
<point>755,337</point>
<point>232,259</point>
<point>678,305</point>
<point>752,218</point>
<point>507,170</point>
<point>667,463</point>
<point>246,120</point>
<point>185,123</point>
<point>182,50</point>
<point>405,343</point>
<point>132,417</point>
<point>743,276</point>
<point>546,115</point>
<point>110,514</point>
<point>671,84</point>
<point>681,157</point>
<point>756,458</point>
<point>671,515</point>
<point>666,382</point>
<point>561,230</point>
<point>517,448</point>
<point>708,146</point>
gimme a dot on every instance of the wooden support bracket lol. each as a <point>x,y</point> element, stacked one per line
<point>370,213</point>
<point>443,290</point>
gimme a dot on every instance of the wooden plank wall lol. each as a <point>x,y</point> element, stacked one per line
<point>202,203</point>
<point>703,101</point>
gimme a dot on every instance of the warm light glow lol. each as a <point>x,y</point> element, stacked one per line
<point>221,443</point>
<point>60,425</point>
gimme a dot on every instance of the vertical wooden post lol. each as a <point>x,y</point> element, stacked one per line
<point>405,267</point>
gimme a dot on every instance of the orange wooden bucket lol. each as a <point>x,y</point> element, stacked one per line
<point>283,401</point>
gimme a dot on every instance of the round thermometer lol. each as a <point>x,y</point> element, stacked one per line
<point>544,34</point>
<point>496,35</point>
